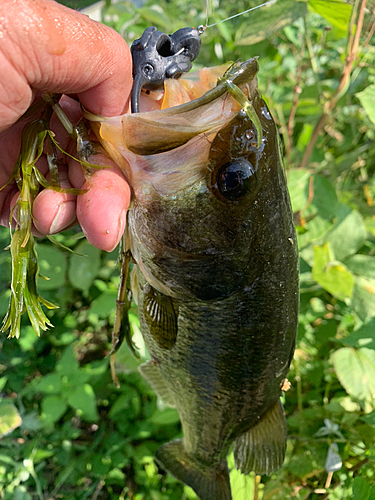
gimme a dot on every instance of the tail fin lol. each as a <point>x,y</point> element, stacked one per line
<point>208,483</point>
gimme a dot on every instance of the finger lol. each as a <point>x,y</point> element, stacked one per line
<point>53,211</point>
<point>15,220</point>
<point>73,111</point>
<point>46,46</point>
<point>6,199</point>
<point>102,210</point>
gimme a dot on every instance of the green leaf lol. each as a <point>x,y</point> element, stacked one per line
<point>370,225</point>
<point>271,19</point>
<point>331,275</point>
<point>104,304</point>
<point>242,486</point>
<point>52,264</point>
<point>50,384</point>
<point>324,201</point>
<point>155,15</point>
<point>7,460</point>
<point>84,268</point>
<point>363,337</point>
<point>335,12</point>
<point>301,465</point>
<point>68,363</point>
<point>165,417</point>
<point>3,381</point>
<point>348,234</point>
<point>9,419</point>
<point>128,402</point>
<point>367,99</point>
<point>363,300</point>
<point>369,418</point>
<point>363,265</point>
<point>315,229</point>
<point>361,489</point>
<point>304,137</point>
<point>20,493</point>
<point>298,185</point>
<point>53,408</point>
<point>82,399</point>
<point>355,368</point>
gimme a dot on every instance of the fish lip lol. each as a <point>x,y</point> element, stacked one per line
<point>239,74</point>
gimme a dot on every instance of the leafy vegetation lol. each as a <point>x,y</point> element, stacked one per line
<point>68,432</point>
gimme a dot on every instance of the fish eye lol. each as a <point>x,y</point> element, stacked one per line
<point>236,179</point>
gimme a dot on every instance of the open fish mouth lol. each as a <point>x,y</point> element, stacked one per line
<point>196,108</point>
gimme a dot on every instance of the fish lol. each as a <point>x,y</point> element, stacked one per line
<point>211,235</point>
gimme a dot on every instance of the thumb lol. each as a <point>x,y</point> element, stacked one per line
<point>46,46</point>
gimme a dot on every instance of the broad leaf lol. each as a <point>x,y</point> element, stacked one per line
<point>361,489</point>
<point>84,268</point>
<point>242,486</point>
<point>367,99</point>
<point>315,230</point>
<point>104,304</point>
<point>53,265</point>
<point>298,184</point>
<point>50,384</point>
<point>363,265</point>
<point>68,363</point>
<point>363,300</point>
<point>165,417</point>
<point>20,493</point>
<point>363,337</point>
<point>156,15</point>
<point>331,275</point>
<point>9,419</point>
<point>348,234</point>
<point>82,399</point>
<point>355,368</point>
<point>53,408</point>
<point>324,201</point>
<point>271,19</point>
<point>335,12</point>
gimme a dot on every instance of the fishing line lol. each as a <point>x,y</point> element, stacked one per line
<point>202,28</point>
<point>207,10</point>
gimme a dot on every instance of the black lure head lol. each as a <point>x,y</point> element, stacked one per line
<point>158,56</point>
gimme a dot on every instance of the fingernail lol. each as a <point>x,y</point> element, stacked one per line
<point>120,231</point>
<point>66,214</point>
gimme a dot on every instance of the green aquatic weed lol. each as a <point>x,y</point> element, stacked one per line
<point>35,139</point>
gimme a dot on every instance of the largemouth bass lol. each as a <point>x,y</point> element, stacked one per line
<point>216,277</point>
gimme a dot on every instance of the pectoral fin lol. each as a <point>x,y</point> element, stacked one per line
<point>262,448</point>
<point>151,373</point>
<point>160,316</point>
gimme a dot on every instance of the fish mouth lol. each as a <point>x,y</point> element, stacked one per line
<point>134,140</point>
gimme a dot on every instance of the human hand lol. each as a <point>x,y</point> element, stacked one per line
<point>45,46</point>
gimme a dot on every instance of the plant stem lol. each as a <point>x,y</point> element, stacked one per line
<point>343,85</point>
<point>53,101</point>
<point>256,487</point>
<point>296,93</point>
